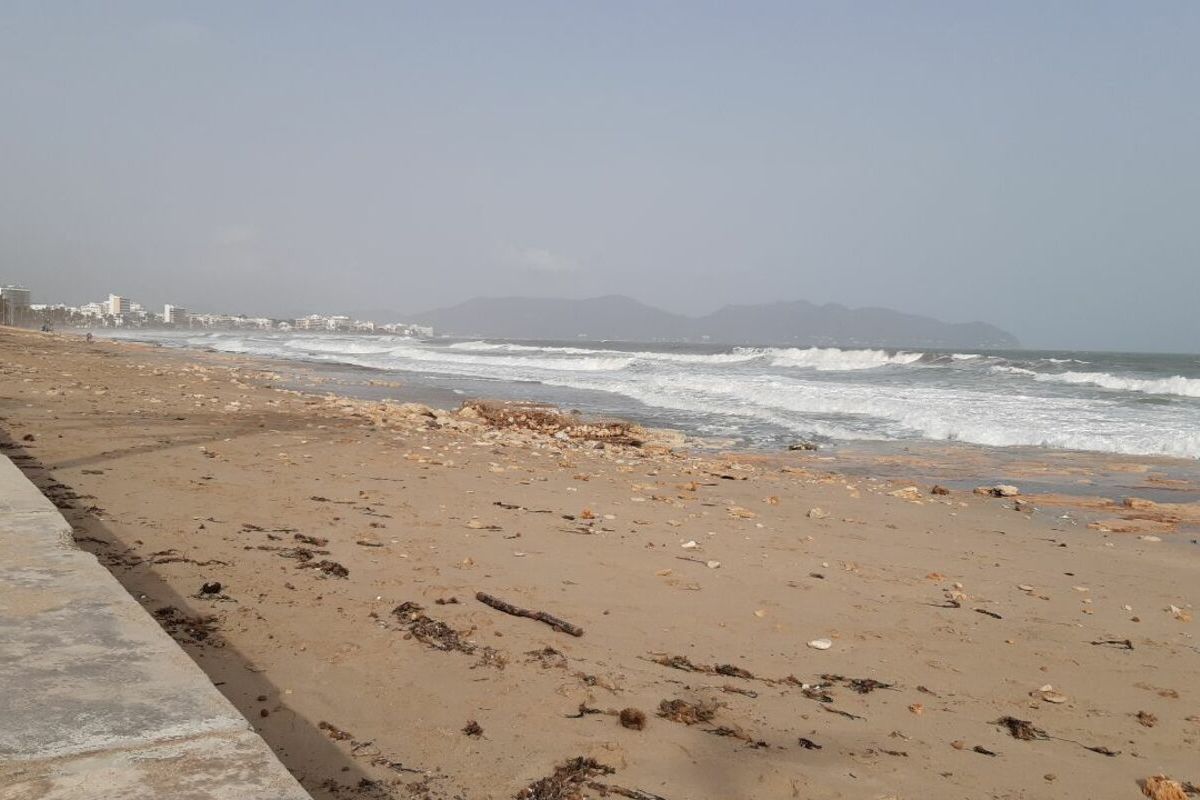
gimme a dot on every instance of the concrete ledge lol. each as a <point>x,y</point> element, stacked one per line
<point>97,700</point>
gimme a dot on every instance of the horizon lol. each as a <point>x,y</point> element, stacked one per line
<point>1026,167</point>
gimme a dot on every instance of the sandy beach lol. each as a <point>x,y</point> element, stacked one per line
<point>751,625</point>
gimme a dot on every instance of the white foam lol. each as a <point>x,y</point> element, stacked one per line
<point>1176,385</point>
<point>833,359</point>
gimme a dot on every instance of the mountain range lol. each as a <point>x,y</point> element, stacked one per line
<point>615,317</point>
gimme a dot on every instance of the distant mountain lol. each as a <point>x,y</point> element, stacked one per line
<point>792,323</point>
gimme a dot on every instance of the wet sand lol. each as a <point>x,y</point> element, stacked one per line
<point>321,517</point>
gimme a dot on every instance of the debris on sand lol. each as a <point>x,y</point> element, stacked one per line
<point>472,728</point>
<point>1160,787</point>
<point>545,419</point>
<point>1022,729</point>
<point>687,665</point>
<point>567,782</point>
<point>1146,719</point>
<point>315,541</point>
<point>939,490</point>
<point>331,568</point>
<point>186,629</point>
<point>999,490</point>
<point>211,588</point>
<point>633,718</point>
<point>440,636</point>
<point>541,616</point>
<point>809,744</point>
<point>548,657</point>
<point>334,732</point>
<point>687,713</point>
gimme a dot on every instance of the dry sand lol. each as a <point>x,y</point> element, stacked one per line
<point>944,613</point>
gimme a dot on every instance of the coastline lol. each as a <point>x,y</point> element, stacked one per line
<point>178,468</point>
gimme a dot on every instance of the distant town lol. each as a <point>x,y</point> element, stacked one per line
<point>118,311</point>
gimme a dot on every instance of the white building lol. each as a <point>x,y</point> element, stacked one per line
<point>119,306</point>
<point>175,315</point>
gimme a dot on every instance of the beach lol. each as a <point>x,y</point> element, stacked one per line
<point>752,624</point>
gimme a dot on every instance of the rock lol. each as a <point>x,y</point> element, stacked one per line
<point>999,490</point>
<point>820,644</point>
<point>211,588</point>
<point>816,513</point>
<point>937,489</point>
<point>909,493</point>
<point>803,444</point>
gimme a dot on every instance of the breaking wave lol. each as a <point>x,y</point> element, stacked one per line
<point>1175,385</point>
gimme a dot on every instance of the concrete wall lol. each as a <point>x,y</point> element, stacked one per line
<point>96,700</point>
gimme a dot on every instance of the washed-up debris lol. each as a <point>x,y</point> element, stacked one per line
<point>541,418</point>
<point>315,541</point>
<point>1022,729</point>
<point>1121,644</point>
<point>584,710</point>
<point>1160,787</point>
<point>987,613</point>
<point>859,685</point>
<point>331,568</point>
<point>473,728</point>
<point>567,781</point>
<point>440,636</point>
<point>541,616</point>
<point>334,732</point>
<point>840,713</point>
<point>983,750</point>
<point>803,444</point>
<point>809,744</point>
<point>939,490</point>
<point>548,657</point>
<point>735,732</point>
<point>685,664</point>
<point>318,499</point>
<point>687,713</point>
<point>820,644</point>
<point>1146,719</point>
<point>633,718</point>
<point>188,629</point>
<point>211,588</point>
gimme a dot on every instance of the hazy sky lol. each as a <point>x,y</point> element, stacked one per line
<point>1035,165</point>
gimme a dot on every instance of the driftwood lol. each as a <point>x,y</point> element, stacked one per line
<point>541,616</point>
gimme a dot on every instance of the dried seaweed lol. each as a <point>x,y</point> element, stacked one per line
<point>566,782</point>
<point>687,713</point>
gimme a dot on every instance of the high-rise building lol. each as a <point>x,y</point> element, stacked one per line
<point>119,306</point>
<point>14,304</point>
<point>175,315</point>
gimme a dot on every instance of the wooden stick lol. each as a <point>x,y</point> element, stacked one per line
<point>517,611</point>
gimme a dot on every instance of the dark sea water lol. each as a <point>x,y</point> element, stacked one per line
<point>767,397</point>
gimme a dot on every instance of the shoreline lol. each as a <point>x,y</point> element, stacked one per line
<point>179,469</point>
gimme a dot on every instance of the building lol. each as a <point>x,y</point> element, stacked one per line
<point>119,306</point>
<point>14,304</point>
<point>175,315</point>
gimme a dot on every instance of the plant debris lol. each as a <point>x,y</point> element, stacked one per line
<point>1121,644</point>
<point>633,718</point>
<point>1022,729</point>
<point>687,713</point>
<point>188,629</point>
<point>541,616</point>
<point>330,568</point>
<point>472,728</point>
<point>567,781</point>
<point>809,744</point>
<point>440,636</point>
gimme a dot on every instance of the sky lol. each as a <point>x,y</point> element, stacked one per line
<point>1033,165</point>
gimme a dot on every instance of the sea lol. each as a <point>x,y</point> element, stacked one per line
<point>1145,404</point>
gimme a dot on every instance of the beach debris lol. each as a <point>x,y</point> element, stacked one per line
<point>545,419</point>
<point>473,728</point>
<point>859,685</point>
<point>987,613</point>
<point>508,608</point>
<point>584,710</point>
<point>188,629</point>
<point>334,732</point>
<point>567,780</point>
<point>817,513</point>
<point>632,718</point>
<point>983,751</point>
<point>939,490</point>
<point>910,493</point>
<point>808,744</point>
<point>1120,644</point>
<point>331,568</point>
<point>1180,614</point>
<point>803,444</point>
<point>999,490</point>
<point>1048,694</point>
<point>1146,719</point>
<point>687,713</point>
<point>440,636</point>
<point>917,708</point>
<point>689,545</point>
<point>1022,729</point>
<point>1160,787</point>
<point>820,644</point>
<point>840,713</point>
<point>315,541</point>
<point>368,543</point>
<point>211,588</point>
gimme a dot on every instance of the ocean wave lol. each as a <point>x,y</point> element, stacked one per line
<point>1176,385</point>
<point>833,359</point>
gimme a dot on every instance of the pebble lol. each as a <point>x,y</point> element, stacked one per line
<point>820,644</point>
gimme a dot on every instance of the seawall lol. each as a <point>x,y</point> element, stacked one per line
<point>97,701</point>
